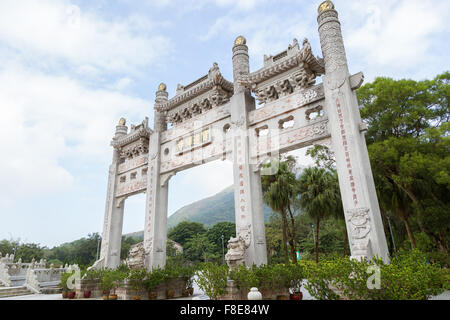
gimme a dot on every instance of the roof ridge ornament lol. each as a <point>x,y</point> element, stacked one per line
<point>196,88</point>
<point>162,87</point>
<point>325,6</point>
<point>240,41</point>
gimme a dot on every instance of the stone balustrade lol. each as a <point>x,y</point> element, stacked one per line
<point>34,275</point>
<point>39,279</point>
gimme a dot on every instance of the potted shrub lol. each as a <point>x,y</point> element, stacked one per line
<point>245,279</point>
<point>172,275</point>
<point>187,273</point>
<point>212,279</point>
<point>153,279</point>
<point>91,275</point>
<point>63,284</point>
<point>264,275</point>
<point>118,276</point>
<point>136,279</point>
<point>294,278</point>
<point>106,283</point>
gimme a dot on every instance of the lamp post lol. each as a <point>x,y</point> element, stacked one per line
<point>98,246</point>
<point>314,236</point>
<point>15,250</point>
<point>390,230</point>
<point>223,249</point>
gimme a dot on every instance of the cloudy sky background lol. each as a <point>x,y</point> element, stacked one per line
<point>70,69</point>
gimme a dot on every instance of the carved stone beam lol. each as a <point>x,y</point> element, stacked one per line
<point>356,80</point>
<point>165,177</point>
<point>120,200</point>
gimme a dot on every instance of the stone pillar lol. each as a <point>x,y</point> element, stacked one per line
<point>249,211</point>
<point>155,232</point>
<point>113,222</point>
<point>362,214</point>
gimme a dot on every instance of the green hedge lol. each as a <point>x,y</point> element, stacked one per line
<point>139,278</point>
<point>270,277</point>
<point>407,277</point>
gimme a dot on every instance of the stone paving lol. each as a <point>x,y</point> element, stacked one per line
<point>198,295</point>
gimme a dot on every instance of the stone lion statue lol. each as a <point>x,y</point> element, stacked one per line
<point>136,255</point>
<point>236,252</point>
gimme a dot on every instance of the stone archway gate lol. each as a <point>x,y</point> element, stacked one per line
<point>212,118</point>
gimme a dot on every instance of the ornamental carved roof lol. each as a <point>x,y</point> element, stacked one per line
<point>211,81</point>
<point>294,69</point>
<point>291,58</point>
<point>137,133</point>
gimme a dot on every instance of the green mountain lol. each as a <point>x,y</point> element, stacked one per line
<point>209,211</point>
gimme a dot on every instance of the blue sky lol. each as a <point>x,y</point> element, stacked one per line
<point>70,69</point>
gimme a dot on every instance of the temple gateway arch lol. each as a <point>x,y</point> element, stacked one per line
<point>213,118</point>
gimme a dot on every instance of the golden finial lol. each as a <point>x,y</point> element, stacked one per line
<point>122,122</point>
<point>240,40</point>
<point>326,5</point>
<point>162,87</point>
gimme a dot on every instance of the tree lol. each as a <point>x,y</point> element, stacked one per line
<point>214,235</point>
<point>408,145</point>
<point>404,108</point>
<point>7,247</point>
<point>28,251</point>
<point>199,249</point>
<point>126,244</point>
<point>324,158</point>
<point>186,230</point>
<point>318,197</point>
<point>279,193</point>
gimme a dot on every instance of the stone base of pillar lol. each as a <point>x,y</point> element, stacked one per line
<point>232,292</point>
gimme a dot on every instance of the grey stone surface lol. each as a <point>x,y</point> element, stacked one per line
<point>359,197</point>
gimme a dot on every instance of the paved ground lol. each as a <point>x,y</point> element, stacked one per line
<point>443,296</point>
<point>198,295</point>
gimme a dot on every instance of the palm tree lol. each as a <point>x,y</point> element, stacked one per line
<point>318,196</point>
<point>279,190</point>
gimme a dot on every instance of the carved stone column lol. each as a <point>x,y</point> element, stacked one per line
<point>364,225</point>
<point>249,212</point>
<point>155,231</point>
<point>113,221</point>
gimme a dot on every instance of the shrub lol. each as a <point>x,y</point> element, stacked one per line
<point>93,274</point>
<point>244,278</point>
<point>212,279</point>
<point>268,277</point>
<point>407,277</point>
<point>63,281</point>
<point>111,279</point>
<point>137,278</point>
<point>153,279</point>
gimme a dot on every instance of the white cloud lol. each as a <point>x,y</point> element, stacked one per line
<point>61,31</point>
<point>122,83</point>
<point>239,4</point>
<point>48,120</point>
<point>381,37</point>
<point>266,33</point>
<point>397,33</point>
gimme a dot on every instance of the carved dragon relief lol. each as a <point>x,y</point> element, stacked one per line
<point>359,224</point>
